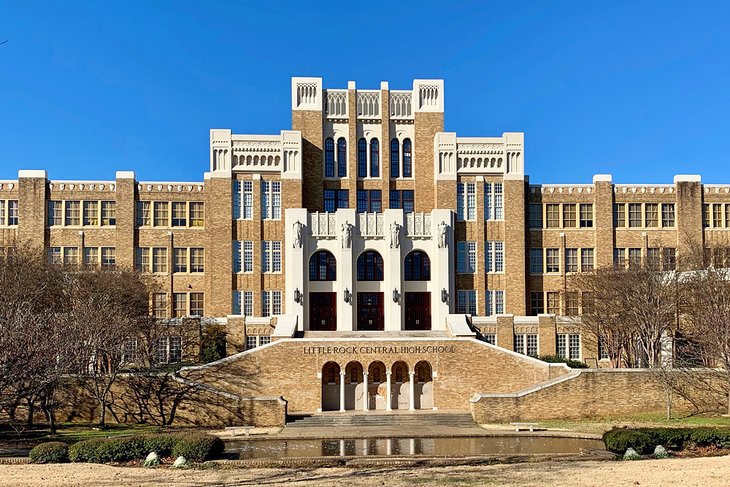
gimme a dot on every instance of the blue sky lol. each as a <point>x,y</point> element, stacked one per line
<point>637,89</point>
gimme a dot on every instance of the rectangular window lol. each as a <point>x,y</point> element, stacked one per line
<point>635,258</point>
<point>571,260</point>
<point>243,303</point>
<point>271,256</point>
<point>197,260</point>
<point>535,261</point>
<point>727,215</point>
<point>552,260</point>
<point>335,199</point>
<point>586,260</point>
<point>498,202</point>
<point>466,201</point>
<point>407,198</point>
<point>706,215</point>
<point>54,255</point>
<point>271,200</point>
<point>466,301</point>
<point>569,219</point>
<point>586,215</point>
<point>493,201</point>
<point>247,199</point>
<point>574,346</point>
<point>248,256</point>
<point>179,305</point>
<point>251,342</point>
<point>653,258</point>
<point>143,213</point>
<point>520,343</point>
<point>142,259</point>
<point>271,303</point>
<point>175,349</point>
<point>553,302</point>
<point>179,214</point>
<point>619,258</point>
<point>717,219</point>
<point>537,303</point>
<point>552,216</point>
<point>159,260</point>
<point>73,216</point>
<point>586,302</point>
<point>494,302</point>
<point>13,216</point>
<point>561,346</point>
<point>264,340</point>
<point>526,344</point>
<point>2,212</point>
<point>162,215</point>
<point>490,338</point>
<point>108,257</point>
<point>495,256</point>
<point>91,213</point>
<point>668,214</point>
<point>532,349</point>
<point>619,215</point>
<point>197,214</point>
<point>91,256</point>
<point>651,215</point>
<point>71,256</point>
<point>466,257</point>
<point>108,213</point>
<point>669,258</point>
<point>572,303</point>
<point>369,201</point>
<point>196,304</point>
<point>471,201</point>
<point>179,260</point>
<point>535,215</point>
<point>55,209</point>
<point>634,215</point>
<point>159,305</point>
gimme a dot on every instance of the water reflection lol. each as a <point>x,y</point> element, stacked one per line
<point>440,447</point>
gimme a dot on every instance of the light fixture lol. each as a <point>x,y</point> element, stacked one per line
<point>396,296</point>
<point>444,295</point>
<point>348,296</point>
<point>298,297</point>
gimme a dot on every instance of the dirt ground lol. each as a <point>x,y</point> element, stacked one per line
<point>705,472</point>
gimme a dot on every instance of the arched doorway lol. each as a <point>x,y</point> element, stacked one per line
<point>423,387</point>
<point>417,267</point>
<point>376,386</point>
<point>370,314</point>
<point>331,386</point>
<point>354,387</point>
<point>400,385</point>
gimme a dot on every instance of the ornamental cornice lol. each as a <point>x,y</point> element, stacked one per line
<point>169,187</point>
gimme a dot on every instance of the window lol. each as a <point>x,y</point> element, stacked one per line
<point>586,215</point>
<point>466,301</point>
<point>407,165</point>
<point>466,201</point>
<point>142,259</point>
<point>552,260</point>
<point>653,258</point>
<point>247,193</point>
<point>54,255</point>
<point>73,216</point>
<point>568,346</point>
<point>374,158</point>
<point>651,215</point>
<point>245,261</point>
<point>362,158</point>
<point>179,260</point>
<point>108,213</point>
<point>668,215</point>
<point>535,261</point>
<point>243,303</point>
<point>197,214</point>
<point>91,213</point>
<point>143,213</point>
<point>493,201</point>
<point>537,303</point>
<point>586,260</point>
<point>341,157</point>
<point>159,305</point>
<point>634,215</point>
<point>271,303</point>
<point>569,220</point>
<point>271,256</point>
<point>370,266</point>
<point>669,258</point>
<point>602,349</point>
<point>571,303</point>
<point>12,212</point>
<point>161,214</point>
<point>553,302</point>
<point>71,256</point>
<point>251,342</point>
<point>401,199</point>
<point>526,344</point>
<point>129,350</point>
<point>108,256</point>
<point>490,338</point>
<point>619,258</point>
<point>587,302</point>
<point>619,215</point>
<point>552,216</point>
<point>179,305</point>
<point>91,256</point>
<point>159,260</point>
<point>329,158</point>
<point>495,256</point>
<point>55,209</point>
<point>634,258</point>
<point>706,215</point>
<point>335,199</point>
<point>717,219</point>
<point>534,213</point>
<point>417,266</point>
<point>175,349</point>
<point>394,158</point>
<point>271,200</point>
<point>369,200</point>
<point>571,260</point>
<point>466,257</point>
<point>179,214</point>
<point>322,266</point>
<point>196,304</point>
<point>494,302</point>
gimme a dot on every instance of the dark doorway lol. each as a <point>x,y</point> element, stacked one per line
<point>370,311</point>
<point>418,311</point>
<point>322,311</point>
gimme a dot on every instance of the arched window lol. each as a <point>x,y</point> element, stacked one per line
<point>341,157</point>
<point>362,158</point>
<point>370,266</point>
<point>394,158</point>
<point>322,266</point>
<point>407,172</point>
<point>329,158</point>
<point>417,266</point>
<point>374,158</point>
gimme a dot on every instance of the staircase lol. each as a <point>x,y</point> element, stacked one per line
<point>401,420</point>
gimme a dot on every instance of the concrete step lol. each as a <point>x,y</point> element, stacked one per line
<point>382,419</point>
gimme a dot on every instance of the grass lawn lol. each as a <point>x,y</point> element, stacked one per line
<point>647,420</point>
<point>70,433</point>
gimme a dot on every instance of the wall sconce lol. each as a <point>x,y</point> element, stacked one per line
<point>444,296</point>
<point>396,296</point>
<point>298,297</point>
<point>348,296</point>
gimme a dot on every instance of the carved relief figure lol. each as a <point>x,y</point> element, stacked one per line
<point>298,227</point>
<point>346,235</point>
<point>394,235</point>
<point>442,234</point>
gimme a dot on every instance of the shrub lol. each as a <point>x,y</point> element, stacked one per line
<point>672,438</point>
<point>103,450</point>
<point>619,440</point>
<point>86,451</point>
<point>198,447</point>
<point>719,437</point>
<point>50,452</point>
<point>161,444</point>
<point>557,359</point>
<point>643,440</point>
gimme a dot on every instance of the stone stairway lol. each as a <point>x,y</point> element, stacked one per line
<point>375,419</point>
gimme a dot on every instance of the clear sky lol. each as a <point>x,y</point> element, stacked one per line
<point>638,89</point>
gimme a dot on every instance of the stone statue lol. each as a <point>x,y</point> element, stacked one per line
<point>442,234</point>
<point>346,235</point>
<point>298,227</point>
<point>394,235</point>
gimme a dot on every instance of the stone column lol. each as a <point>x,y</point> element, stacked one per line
<point>342,392</point>
<point>412,399</point>
<point>366,393</point>
<point>389,399</point>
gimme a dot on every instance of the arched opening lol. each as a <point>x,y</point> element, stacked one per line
<point>331,386</point>
<point>394,158</point>
<point>407,171</point>
<point>370,266</point>
<point>362,158</point>
<point>354,386</point>
<point>329,158</point>
<point>417,266</point>
<point>374,158</point>
<point>341,157</point>
<point>322,266</point>
<point>423,386</point>
<point>400,385</point>
<point>376,386</point>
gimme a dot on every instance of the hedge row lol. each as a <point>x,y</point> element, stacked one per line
<point>557,359</point>
<point>644,440</point>
<point>195,447</point>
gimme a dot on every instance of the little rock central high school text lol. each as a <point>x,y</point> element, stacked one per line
<point>368,248</point>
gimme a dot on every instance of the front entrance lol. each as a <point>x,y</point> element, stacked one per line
<point>418,311</point>
<point>323,311</point>
<point>370,315</point>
